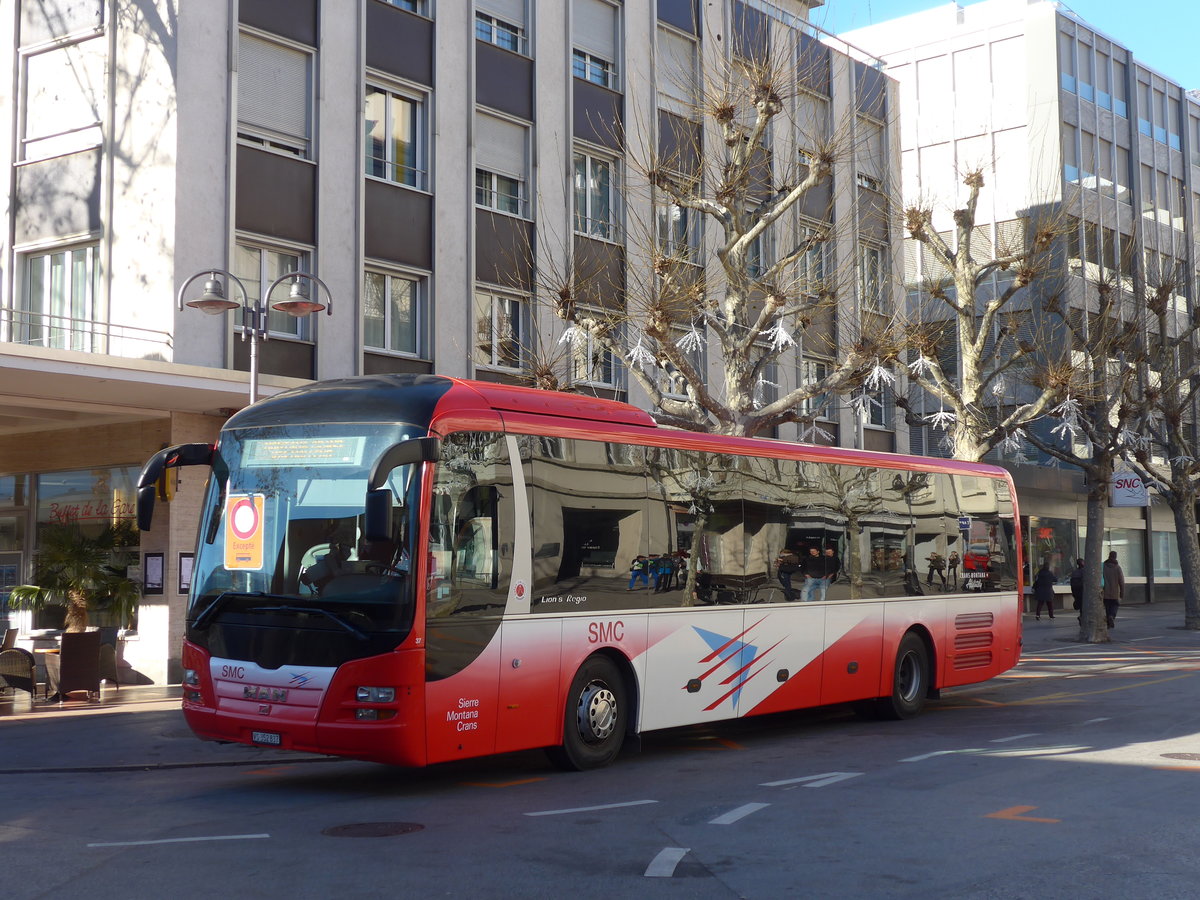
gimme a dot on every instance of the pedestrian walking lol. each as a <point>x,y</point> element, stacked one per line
<point>1112,587</point>
<point>937,563</point>
<point>952,563</point>
<point>638,570</point>
<point>1077,588</point>
<point>830,566</point>
<point>814,573</point>
<point>1043,590</point>
<point>787,564</point>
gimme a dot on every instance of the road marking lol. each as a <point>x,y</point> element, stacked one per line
<point>189,840</point>
<point>1015,737</point>
<point>663,865</point>
<point>1018,813</point>
<point>1094,721</point>
<point>814,780</point>
<point>740,813</point>
<point>563,812</point>
<point>925,756</point>
<point>500,784</point>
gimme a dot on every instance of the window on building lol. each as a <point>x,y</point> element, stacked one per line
<point>679,230</point>
<point>415,6</point>
<point>1104,166</point>
<point>1103,81</point>
<point>257,266</point>
<point>59,306</point>
<point>1118,88</point>
<point>1066,60</point>
<point>64,96</point>
<point>812,120</point>
<point>501,164</point>
<point>395,137</point>
<point>1087,159</point>
<point>677,76</point>
<point>1144,108</point>
<point>1070,147</point>
<point>1160,116</point>
<point>1147,187</point>
<point>819,406</point>
<point>591,363</point>
<point>595,196</point>
<point>502,22</point>
<point>872,277</point>
<point>810,267</point>
<point>1084,75</point>
<point>671,380</point>
<point>1122,175</point>
<point>594,35</point>
<point>1175,123</point>
<point>393,312</point>
<point>501,330</point>
<point>275,95</point>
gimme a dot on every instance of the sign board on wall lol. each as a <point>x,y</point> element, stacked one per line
<point>1128,489</point>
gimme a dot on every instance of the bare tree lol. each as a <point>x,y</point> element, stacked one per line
<point>1164,451</point>
<point>1097,375</point>
<point>726,169</point>
<point>980,324</point>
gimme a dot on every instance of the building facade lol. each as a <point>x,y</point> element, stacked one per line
<point>425,160</point>
<point>1061,117</point>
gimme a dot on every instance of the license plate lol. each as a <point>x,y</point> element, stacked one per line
<point>266,737</point>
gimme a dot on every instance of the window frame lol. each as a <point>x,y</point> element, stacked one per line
<point>609,230</point>
<point>873,300</point>
<point>522,335</point>
<point>71,139</point>
<point>265,138</point>
<point>26,319</point>
<point>419,103</point>
<point>819,406</point>
<point>589,352</point>
<point>420,304</point>
<point>492,22</point>
<point>304,256</point>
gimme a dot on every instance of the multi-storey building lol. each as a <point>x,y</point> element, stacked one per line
<point>1058,116</point>
<point>423,159</point>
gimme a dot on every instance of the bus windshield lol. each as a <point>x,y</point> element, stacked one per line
<point>281,548</point>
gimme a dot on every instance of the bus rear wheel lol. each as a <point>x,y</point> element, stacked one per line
<point>910,680</point>
<point>595,719</point>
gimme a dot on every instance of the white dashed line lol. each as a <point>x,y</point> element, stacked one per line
<point>188,840</point>
<point>740,813</point>
<point>925,756</point>
<point>563,812</point>
<point>663,865</point>
<point>1015,737</point>
<point>814,781</point>
<point>1094,721</point>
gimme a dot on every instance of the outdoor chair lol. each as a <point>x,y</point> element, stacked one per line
<point>79,663</point>
<point>10,639</point>
<point>16,670</point>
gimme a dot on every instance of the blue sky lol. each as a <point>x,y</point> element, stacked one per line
<point>1163,34</point>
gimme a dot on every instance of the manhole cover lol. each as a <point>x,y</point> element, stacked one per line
<point>373,829</point>
<point>1191,756</point>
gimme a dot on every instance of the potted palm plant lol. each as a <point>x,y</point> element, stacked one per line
<point>83,573</point>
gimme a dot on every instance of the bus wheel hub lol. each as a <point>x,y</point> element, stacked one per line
<point>597,712</point>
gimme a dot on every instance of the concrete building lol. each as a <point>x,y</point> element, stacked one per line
<point>1057,115</point>
<point>408,153</point>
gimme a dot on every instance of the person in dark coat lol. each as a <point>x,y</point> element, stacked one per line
<point>788,564</point>
<point>1077,585</point>
<point>1113,590</point>
<point>1043,590</point>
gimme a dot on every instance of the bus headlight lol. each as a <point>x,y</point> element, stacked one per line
<point>375,695</point>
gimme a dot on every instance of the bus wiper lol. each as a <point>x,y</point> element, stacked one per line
<point>312,609</point>
<point>218,601</point>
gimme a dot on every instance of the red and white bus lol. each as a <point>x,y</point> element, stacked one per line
<point>413,569</point>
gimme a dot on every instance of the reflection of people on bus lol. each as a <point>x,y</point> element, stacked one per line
<point>952,568</point>
<point>638,569</point>
<point>831,566</point>
<point>937,563</point>
<point>814,573</point>
<point>787,564</point>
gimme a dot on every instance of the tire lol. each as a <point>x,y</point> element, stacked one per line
<point>594,723</point>
<point>910,680</point>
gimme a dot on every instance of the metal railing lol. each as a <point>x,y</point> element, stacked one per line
<point>38,329</point>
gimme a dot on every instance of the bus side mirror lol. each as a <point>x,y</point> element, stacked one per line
<point>377,523</point>
<point>152,471</point>
<point>377,519</point>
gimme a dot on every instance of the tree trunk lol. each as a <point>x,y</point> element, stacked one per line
<point>1093,627</point>
<point>1189,558</point>
<point>77,612</point>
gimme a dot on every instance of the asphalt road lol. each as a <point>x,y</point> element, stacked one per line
<point>1072,776</point>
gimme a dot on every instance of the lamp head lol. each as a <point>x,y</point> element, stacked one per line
<point>298,303</point>
<point>213,301</point>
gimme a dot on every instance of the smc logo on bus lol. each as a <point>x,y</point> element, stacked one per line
<point>606,632</point>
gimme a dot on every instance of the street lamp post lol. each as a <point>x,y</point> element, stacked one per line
<point>254,311</point>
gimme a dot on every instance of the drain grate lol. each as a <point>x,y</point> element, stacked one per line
<point>372,829</point>
<point>1189,756</point>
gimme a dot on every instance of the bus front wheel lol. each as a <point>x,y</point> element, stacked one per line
<point>910,680</point>
<point>595,719</point>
